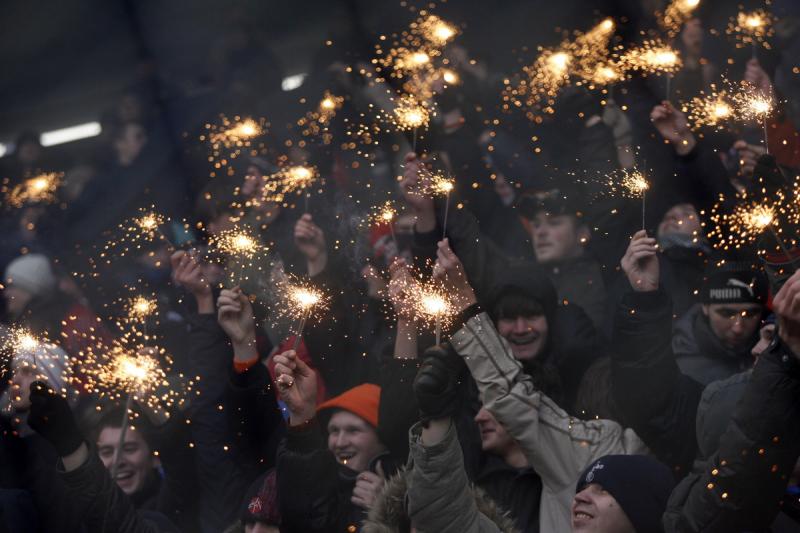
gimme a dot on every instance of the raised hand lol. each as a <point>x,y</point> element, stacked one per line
<point>310,240</point>
<point>640,263</point>
<point>673,127</point>
<point>748,157</point>
<point>188,273</point>
<point>787,306</point>
<point>450,271</point>
<point>758,77</point>
<point>51,417</point>
<point>235,316</point>
<point>297,386</point>
<point>368,485</point>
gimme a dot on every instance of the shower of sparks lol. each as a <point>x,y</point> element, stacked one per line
<point>296,298</point>
<point>678,12</point>
<point>435,30</point>
<point>384,213</point>
<point>410,114</point>
<point>134,236</point>
<point>651,57</point>
<point>316,122</point>
<point>752,104</point>
<point>628,183</point>
<point>585,56</point>
<point>293,179</point>
<point>23,340</point>
<point>712,110</point>
<point>237,243</point>
<point>230,137</point>
<point>39,189</point>
<point>750,218</point>
<point>752,28</point>
<point>141,307</point>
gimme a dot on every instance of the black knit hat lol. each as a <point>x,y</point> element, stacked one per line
<point>640,484</point>
<point>735,283</point>
<point>261,501</point>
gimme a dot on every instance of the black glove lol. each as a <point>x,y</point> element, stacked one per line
<point>51,417</point>
<point>437,384</point>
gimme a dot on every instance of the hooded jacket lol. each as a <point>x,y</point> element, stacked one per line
<point>558,446</point>
<point>434,494</point>
<point>700,354</point>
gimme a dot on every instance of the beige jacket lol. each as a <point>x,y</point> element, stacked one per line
<point>557,446</point>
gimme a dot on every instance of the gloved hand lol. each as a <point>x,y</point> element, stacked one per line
<point>51,417</point>
<point>436,385</point>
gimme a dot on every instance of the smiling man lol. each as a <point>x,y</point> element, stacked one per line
<point>621,494</point>
<point>136,472</point>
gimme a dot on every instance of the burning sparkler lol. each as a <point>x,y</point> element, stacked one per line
<point>40,189</point>
<point>752,104</point>
<point>230,137</point>
<point>295,179</point>
<point>241,247</point>
<point>434,306</point>
<point>410,115</point>
<point>386,214</point>
<point>652,57</point>
<point>752,28</point>
<point>630,183</point>
<point>678,12</point>
<point>298,300</point>
<point>435,30</point>
<point>712,109</point>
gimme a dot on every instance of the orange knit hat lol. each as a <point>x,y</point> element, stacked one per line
<point>361,401</point>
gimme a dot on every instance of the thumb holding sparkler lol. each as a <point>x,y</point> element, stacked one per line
<point>188,273</point>
<point>640,263</point>
<point>235,317</point>
<point>297,386</point>
<point>450,271</point>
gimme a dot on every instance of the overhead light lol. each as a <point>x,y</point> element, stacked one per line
<point>3,149</point>
<point>290,83</point>
<point>72,133</point>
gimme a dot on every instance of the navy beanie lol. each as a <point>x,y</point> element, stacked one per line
<point>640,484</point>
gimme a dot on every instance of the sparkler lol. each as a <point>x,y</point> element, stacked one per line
<point>316,122</point>
<point>385,214</point>
<point>712,109</point>
<point>676,15</point>
<point>139,310</point>
<point>40,189</point>
<point>752,28</point>
<point>295,179</point>
<point>150,225</point>
<point>410,115</point>
<point>753,104</point>
<point>229,137</point>
<point>241,247</point>
<point>299,300</point>
<point>435,30</point>
<point>652,57</point>
<point>630,184</point>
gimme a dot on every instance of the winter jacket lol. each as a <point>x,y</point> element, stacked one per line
<point>224,471</point>
<point>701,355</point>
<point>314,488</point>
<point>434,495</point>
<point>744,480</point>
<point>102,504</point>
<point>556,445</point>
<point>518,490</point>
<point>651,394</point>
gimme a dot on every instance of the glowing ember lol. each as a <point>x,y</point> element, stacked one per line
<point>140,307</point>
<point>450,77</point>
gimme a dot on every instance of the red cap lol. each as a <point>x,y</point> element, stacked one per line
<point>361,401</point>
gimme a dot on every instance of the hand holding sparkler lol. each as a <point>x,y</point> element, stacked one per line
<point>297,386</point>
<point>640,263</point>
<point>310,240</point>
<point>785,306</point>
<point>755,75</point>
<point>749,155</point>
<point>673,127</point>
<point>450,270</point>
<point>235,317</point>
<point>188,273</point>
<point>51,417</point>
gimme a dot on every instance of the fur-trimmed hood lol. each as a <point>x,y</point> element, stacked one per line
<point>388,513</point>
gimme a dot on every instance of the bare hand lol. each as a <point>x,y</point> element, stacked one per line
<point>640,263</point>
<point>297,386</point>
<point>188,273</point>
<point>309,238</point>
<point>787,306</point>
<point>235,316</point>
<point>368,485</point>
<point>449,269</point>
<point>414,176</point>
<point>748,157</point>
<point>756,76</point>
<point>673,127</point>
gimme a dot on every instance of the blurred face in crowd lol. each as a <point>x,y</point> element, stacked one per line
<point>596,511</point>
<point>16,300</point>
<point>260,527</point>
<point>29,152</point>
<point>733,324</point>
<point>128,145</point>
<point>353,440</point>
<point>24,375</point>
<point>136,462</point>
<point>765,336</point>
<point>682,219</point>
<point>557,237</point>
<point>527,335</point>
<point>494,437</point>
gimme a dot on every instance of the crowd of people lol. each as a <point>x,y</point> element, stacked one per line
<point>601,367</point>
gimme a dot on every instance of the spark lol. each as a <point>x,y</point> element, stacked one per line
<point>237,242</point>
<point>228,138</point>
<point>410,114</point>
<point>450,76</point>
<point>652,57</point>
<point>295,178</point>
<point>297,298</point>
<point>384,213</point>
<point>436,30</point>
<point>676,15</point>
<point>752,28</point>
<point>710,110</point>
<point>40,189</point>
